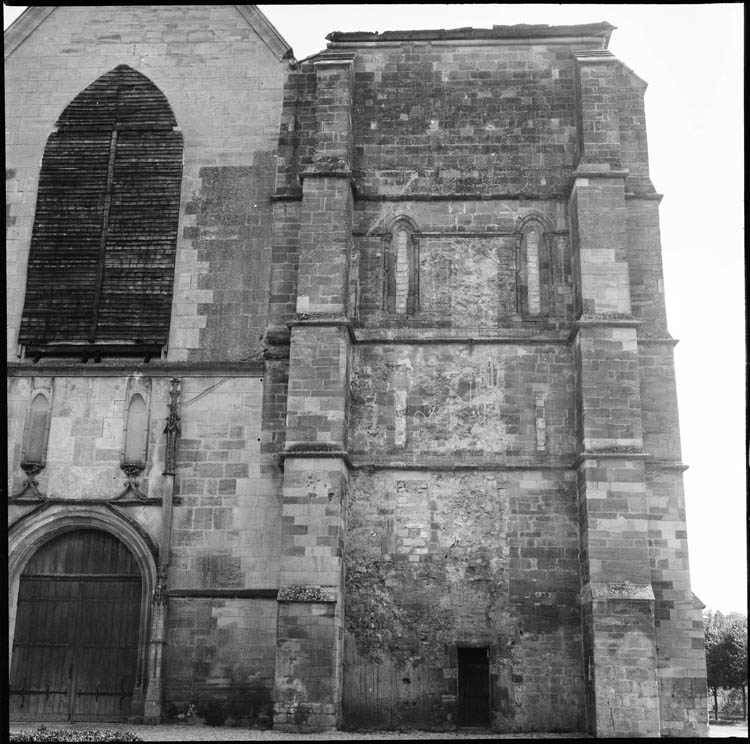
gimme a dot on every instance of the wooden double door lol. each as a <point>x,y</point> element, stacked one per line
<point>75,645</point>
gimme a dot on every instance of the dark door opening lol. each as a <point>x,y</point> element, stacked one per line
<point>473,686</point>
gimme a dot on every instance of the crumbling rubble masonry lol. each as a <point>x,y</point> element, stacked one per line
<point>424,465</point>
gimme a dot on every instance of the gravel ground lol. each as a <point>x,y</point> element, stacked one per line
<point>209,733</point>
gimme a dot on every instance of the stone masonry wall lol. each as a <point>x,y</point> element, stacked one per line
<point>225,541</point>
<point>474,120</point>
<point>220,658</point>
<point>455,475</point>
<point>435,560</point>
<point>464,402</point>
<point>224,530</point>
<point>226,522</point>
<point>661,425</point>
<point>86,436</point>
<point>468,264</point>
<point>677,612</point>
<point>224,86</point>
<point>645,266</point>
<point>223,81</point>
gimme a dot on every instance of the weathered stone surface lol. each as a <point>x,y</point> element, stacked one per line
<point>302,593</point>
<point>427,407</point>
<point>221,654</point>
<point>462,401</point>
<point>435,560</point>
<point>205,61</point>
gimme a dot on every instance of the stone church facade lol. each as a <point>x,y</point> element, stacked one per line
<point>340,391</point>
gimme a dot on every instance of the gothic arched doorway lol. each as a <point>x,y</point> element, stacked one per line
<point>75,645</point>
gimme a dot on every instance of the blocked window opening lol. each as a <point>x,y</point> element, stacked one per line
<point>533,271</point>
<point>540,421</point>
<point>474,686</point>
<point>37,431</point>
<point>136,432</point>
<point>401,295</point>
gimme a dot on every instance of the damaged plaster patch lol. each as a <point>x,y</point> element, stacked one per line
<point>445,570</point>
<point>455,401</point>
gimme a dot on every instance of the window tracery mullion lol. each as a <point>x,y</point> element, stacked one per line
<point>103,236</point>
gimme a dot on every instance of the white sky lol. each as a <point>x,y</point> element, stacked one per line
<point>692,58</point>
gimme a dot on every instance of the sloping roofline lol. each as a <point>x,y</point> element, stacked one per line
<point>32,17</point>
<point>600,31</point>
<point>23,27</point>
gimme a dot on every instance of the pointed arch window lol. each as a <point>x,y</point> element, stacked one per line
<point>103,244</point>
<point>401,286</point>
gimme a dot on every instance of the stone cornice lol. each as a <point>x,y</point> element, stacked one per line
<point>314,320</point>
<point>423,336</point>
<point>593,55</point>
<point>663,341</point>
<point>315,450</point>
<point>458,233</point>
<point>253,368</point>
<point>668,465</point>
<point>334,57</point>
<point>323,173</point>
<point>458,197</point>
<point>598,33</point>
<point>599,173</point>
<point>443,464</point>
<point>623,454</point>
<point>100,502</point>
<point>222,593</point>
<point>295,195</point>
<point>644,197</point>
<point>605,320</point>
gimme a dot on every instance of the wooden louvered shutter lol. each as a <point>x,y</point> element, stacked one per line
<point>103,246</point>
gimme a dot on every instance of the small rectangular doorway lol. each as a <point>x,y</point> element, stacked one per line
<point>474,686</point>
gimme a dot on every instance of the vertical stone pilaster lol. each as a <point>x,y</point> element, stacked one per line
<point>157,640</point>
<point>309,653</point>
<point>325,226</point>
<point>159,607</point>
<point>597,92</point>
<point>627,403</point>
<point>309,650</point>
<point>617,599</point>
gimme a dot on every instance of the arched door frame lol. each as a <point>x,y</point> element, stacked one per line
<point>28,535</point>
